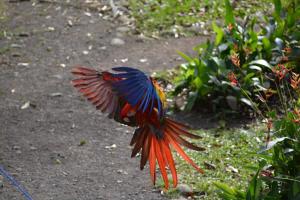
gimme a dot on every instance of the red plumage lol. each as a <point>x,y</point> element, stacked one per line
<point>132,98</point>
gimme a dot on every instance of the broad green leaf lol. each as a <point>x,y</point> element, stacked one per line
<point>271,144</point>
<point>255,67</point>
<point>219,32</point>
<point>225,188</point>
<point>267,44</point>
<point>262,63</point>
<point>198,82</point>
<point>247,101</point>
<point>249,76</point>
<point>229,17</point>
<point>223,47</point>
<point>290,18</point>
<point>278,7</point>
<point>214,80</point>
<point>254,187</point>
<point>184,56</point>
<point>191,101</point>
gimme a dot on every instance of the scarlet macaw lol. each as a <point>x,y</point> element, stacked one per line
<point>132,98</point>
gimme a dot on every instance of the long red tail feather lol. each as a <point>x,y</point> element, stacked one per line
<point>158,149</point>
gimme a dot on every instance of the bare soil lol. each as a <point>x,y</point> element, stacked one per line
<point>60,147</point>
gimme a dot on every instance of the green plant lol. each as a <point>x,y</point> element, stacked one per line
<point>278,174</point>
<point>244,53</point>
<point>2,10</point>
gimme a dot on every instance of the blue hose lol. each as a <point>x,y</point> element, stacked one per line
<point>15,183</point>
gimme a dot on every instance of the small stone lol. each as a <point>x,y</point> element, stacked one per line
<point>19,169</point>
<point>123,29</point>
<point>124,19</point>
<point>50,28</point>
<point>16,148</point>
<point>24,34</point>
<point>16,46</point>
<point>184,189</point>
<point>65,173</point>
<point>124,60</point>
<point>119,181</point>
<point>89,35</point>
<point>57,161</point>
<point>18,152</point>
<point>103,48</point>
<point>23,64</point>
<point>58,76</point>
<point>205,32</point>
<point>85,52</point>
<point>209,165</point>
<point>120,171</point>
<point>62,65</point>
<point>49,49</point>
<point>16,55</point>
<point>232,169</point>
<point>111,147</point>
<point>56,94</point>
<point>88,14</point>
<point>32,148</point>
<point>143,60</point>
<point>70,23</point>
<point>117,42</point>
<point>119,35</point>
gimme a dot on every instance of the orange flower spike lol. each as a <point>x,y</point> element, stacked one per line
<point>295,81</point>
<point>297,116</point>
<point>235,59</point>
<point>284,59</point>
<point>280,71</point>
<point>235,47</point>
<point>247,51</point>
<point>269,93</point>
<point>269,127</point>
<point>297,112</point>
<point>269,124</point>
<point>287,50</point>
<point>232,78</point>
<point>230,27</point>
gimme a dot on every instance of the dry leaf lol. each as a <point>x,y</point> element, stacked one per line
<point>25,105</point>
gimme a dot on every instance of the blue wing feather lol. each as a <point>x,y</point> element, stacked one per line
<point>126,69</point>
<point>136,88</point>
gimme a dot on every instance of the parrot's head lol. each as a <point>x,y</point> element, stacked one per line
<point>160,93</point>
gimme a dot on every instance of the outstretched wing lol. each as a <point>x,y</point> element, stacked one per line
<point>97,90</point>
<point>137,89</point>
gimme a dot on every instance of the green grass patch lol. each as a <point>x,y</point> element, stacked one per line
<point>189,17</point>
<point>227,151</point>
<point>2,10</point>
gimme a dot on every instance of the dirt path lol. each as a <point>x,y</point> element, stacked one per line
<point>40,144</point>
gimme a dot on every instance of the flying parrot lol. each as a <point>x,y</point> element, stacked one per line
<point>132,98</point>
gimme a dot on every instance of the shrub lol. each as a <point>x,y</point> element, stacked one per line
<point>243,54</point>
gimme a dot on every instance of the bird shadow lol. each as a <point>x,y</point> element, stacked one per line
<point>197,120</point>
